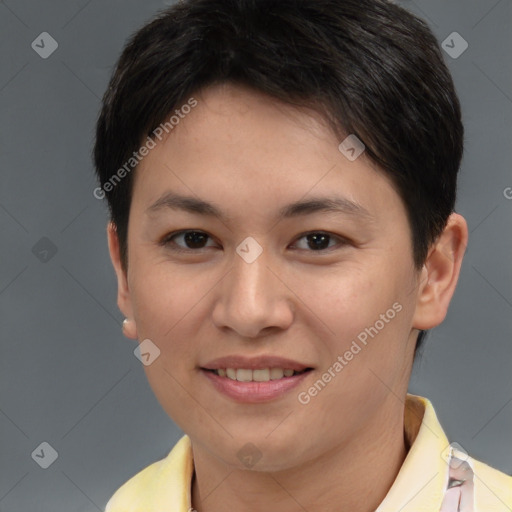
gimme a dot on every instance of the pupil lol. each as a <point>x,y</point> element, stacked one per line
<point>194,239</point>
<point>318,241</point>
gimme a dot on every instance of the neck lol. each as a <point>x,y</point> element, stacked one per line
<point>355,475</point>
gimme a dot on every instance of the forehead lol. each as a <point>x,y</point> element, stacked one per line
<point>241,148</point>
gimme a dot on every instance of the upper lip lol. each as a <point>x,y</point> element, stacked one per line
<point>253,363</point>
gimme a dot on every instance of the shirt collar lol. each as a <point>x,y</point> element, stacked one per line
<point>421,482</point>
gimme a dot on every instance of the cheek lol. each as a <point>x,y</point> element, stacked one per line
<point>364,312</point>
<point>350,300</point>
<point>164,301</point>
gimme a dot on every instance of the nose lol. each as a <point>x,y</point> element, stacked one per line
<point>252,299</point>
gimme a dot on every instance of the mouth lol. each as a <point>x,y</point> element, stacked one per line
<point>255,380</point>
<point>257,374</point>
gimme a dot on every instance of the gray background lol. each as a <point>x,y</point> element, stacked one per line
<point>69,377</point>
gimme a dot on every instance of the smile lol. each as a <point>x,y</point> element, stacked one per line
<point>257,385</point>
<point>256,375</point>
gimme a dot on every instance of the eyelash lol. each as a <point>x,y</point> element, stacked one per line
<point>169,243</point>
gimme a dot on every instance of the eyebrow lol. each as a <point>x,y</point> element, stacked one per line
<point>190,204</point>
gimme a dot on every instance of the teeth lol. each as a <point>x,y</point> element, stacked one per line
<point>259,375</point>
<point>243,375</point>
<point>276,373</point>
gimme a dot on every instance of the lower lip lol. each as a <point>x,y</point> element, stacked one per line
<point>254,392</point>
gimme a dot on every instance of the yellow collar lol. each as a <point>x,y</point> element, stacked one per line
<point>422,479</point>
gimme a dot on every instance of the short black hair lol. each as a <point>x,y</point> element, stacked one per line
<point>369,67</point>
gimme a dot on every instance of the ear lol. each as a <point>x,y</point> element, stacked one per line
<point>440,274</point>
<point>123,292</point>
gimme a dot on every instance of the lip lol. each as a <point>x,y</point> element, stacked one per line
<point>253,363</point>
<point>254,392</point>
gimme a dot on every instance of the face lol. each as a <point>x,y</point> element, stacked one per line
<point>285,256</point>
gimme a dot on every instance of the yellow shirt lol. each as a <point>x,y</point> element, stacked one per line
<point>429,480</point>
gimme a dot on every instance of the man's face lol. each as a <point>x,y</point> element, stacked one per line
<point>325,285</point>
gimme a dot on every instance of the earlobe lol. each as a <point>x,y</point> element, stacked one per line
<point>123,292</point>
<point>129,328</point>
<point>440,273</point>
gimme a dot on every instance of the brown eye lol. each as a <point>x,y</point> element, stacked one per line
<point>319,241</point>
<point>189,240</point>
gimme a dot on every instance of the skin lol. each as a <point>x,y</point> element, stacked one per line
<point>251,156</point>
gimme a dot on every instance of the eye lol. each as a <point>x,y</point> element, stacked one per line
<point>319,240</point>
<point>193,240</point>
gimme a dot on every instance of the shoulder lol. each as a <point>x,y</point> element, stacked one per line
<point>165,483</point>
<point>491,489</point>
